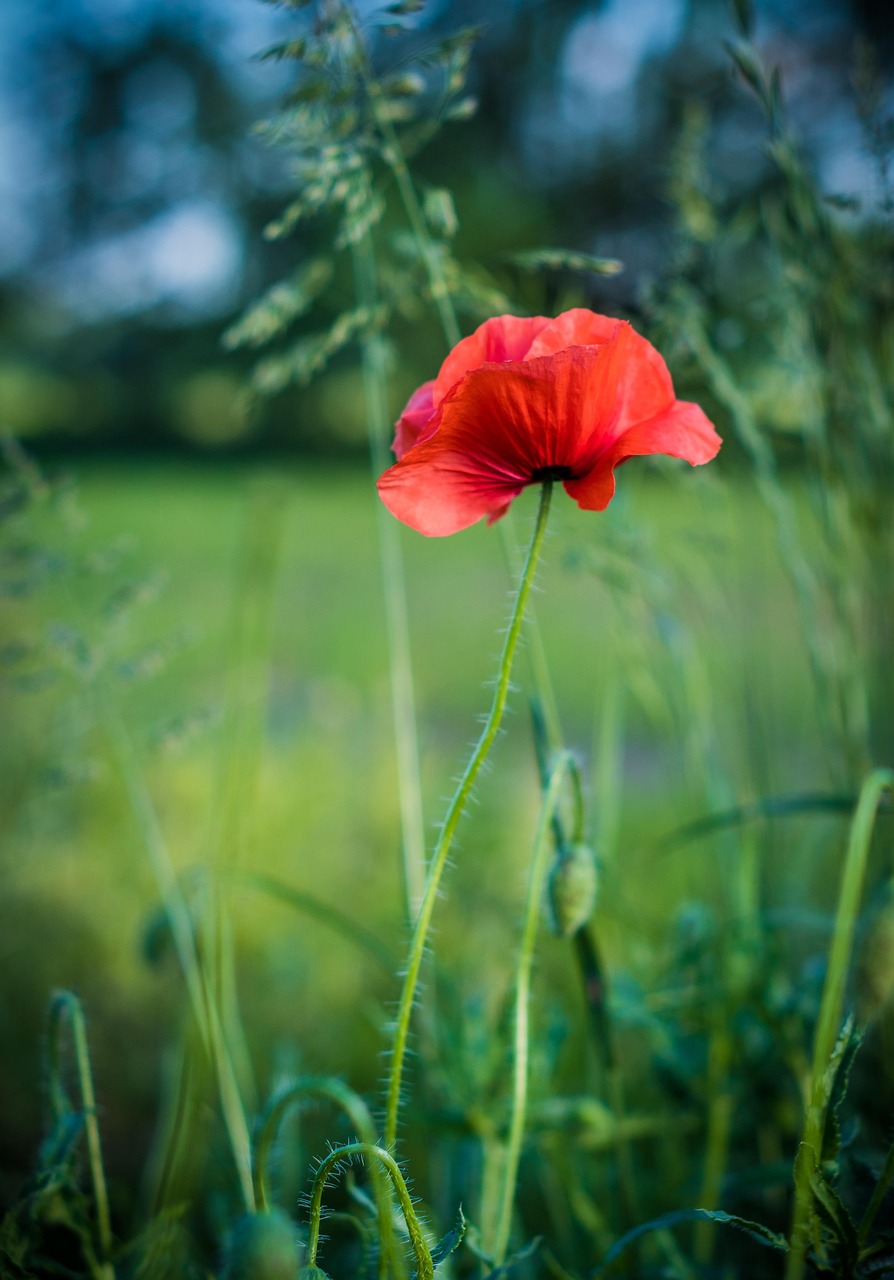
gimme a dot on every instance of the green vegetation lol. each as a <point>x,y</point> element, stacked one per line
<point>653,1028</point>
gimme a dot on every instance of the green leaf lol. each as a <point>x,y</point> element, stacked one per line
<point>401,7</point>
<point>756,1230</point>
<point>837,1218</point>
<point>451,1240</point>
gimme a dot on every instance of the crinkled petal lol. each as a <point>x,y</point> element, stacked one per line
<point>682,432</point>
<point>498,339</point>
<point>438,491</point>
<point>503,426</point>
<point>645,388</point>
<point>415,418</point>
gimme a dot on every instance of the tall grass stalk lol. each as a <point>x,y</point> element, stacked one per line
<point>403,698</point>
<point>66,1005</point>
<point>454,813</point>
<point>838,684</point>
<point>202,1002</point>
<point>247,662</point>
<point>536,885</point>
<point>831,1006</point>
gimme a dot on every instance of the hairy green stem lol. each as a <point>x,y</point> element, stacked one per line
<point>66,1004</point>
<point>831,1006</point>
<point>536,884</point>
<point>424,1266</point>
<point>358,1113</point>
<point>454,812</point>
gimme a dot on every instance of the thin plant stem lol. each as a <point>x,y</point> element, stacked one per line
<point>201,999</point>
<point>831,1006</point>
<point>424,1266</point>
<point>454,812</point>
<point>403,697</point>
<point>536,883</point>
<point>720,1114</point>
<point>66,1004</point>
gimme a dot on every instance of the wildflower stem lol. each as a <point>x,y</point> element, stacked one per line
<point>454,812</point>
<point>853,875</point>
<point>358,1114</point>
<point>65,1003</point>
<point>424,1266</point>
<point>536,883</point>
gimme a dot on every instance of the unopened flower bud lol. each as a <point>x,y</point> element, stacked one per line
<point>571,890</point>
<point>263,1246</point>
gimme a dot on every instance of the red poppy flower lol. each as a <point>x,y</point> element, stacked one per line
<point>526,400</point>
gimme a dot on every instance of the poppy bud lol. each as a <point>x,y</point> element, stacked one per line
<point>312,1273</point>
<point>263,1246</point>
<point>571,889</point>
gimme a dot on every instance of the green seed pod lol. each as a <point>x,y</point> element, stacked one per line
<point>264,1246</point>
<point>571,890</point>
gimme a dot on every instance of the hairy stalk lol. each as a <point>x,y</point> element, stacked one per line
<point>358,1114</point>
<point>536,885</point>
<point>454,812</point>
<point>66,1005</point>
<point>403,698</point>
<point>424,1266</point>
<point>831,1005</point>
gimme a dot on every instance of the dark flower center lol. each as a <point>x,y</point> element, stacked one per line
<point>552,473</point>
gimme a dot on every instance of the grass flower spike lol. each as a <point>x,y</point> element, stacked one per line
<point>523,400</point>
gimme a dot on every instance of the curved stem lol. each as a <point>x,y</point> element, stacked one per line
<point>358,1113</point>
<point>831,1006</point>
<point>66,1003</point>
<point>454,812</point>
<point>536,883</point>
<point>424,1266</point>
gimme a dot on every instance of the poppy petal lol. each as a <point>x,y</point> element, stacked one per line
<point>438,491</point>
<point>498,339</point>
<point>683,432</point>
<point>411,424</point>
<point>500,428</point>
<point>644,387</point>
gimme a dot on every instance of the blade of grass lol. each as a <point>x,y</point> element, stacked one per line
<point>831,1007</point>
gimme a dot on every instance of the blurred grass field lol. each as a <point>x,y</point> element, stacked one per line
<point>680,678</point>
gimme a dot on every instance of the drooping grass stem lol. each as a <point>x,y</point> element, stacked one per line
<point>454,813</point>
<point>831,1006</point>
<point>536,884</point>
